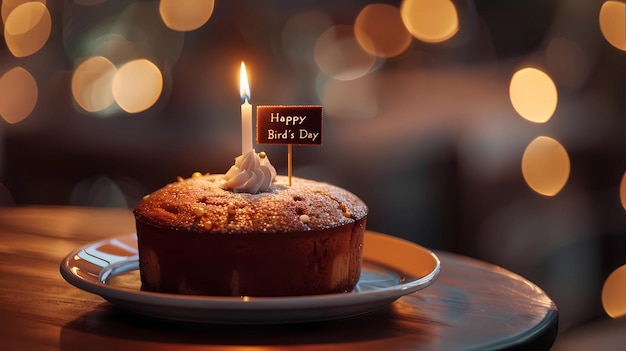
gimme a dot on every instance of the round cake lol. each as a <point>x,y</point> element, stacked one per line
<point>200,236</point>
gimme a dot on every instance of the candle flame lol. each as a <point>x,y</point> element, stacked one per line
<point>244,87</point>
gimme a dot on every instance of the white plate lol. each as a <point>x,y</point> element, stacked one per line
<point>392,268</point>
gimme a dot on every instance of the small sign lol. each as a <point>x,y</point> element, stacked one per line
<point>297,125</point>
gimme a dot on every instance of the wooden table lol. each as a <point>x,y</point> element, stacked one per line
<point>473,305</point>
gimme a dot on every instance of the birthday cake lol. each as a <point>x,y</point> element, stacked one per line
<point>250,233</point>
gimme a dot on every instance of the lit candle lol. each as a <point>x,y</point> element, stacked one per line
<point>246,112</point>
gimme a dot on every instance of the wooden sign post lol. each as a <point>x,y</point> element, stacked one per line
<point>289,125</point>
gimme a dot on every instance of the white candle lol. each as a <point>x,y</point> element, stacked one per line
<point>246,112</point>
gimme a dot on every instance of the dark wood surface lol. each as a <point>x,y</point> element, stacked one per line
<point>473,305</point>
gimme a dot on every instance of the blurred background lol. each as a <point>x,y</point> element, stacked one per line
<point>493,129</point>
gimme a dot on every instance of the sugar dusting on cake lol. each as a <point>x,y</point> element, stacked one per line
<point>200,203</point>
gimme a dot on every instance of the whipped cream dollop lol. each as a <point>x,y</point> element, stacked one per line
<point>251,173</point>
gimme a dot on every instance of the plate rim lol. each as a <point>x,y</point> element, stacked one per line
<point>124,296</point>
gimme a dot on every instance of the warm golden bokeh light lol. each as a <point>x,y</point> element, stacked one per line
<point>18,94</point>
<point>185,15</point>
<point>338,54</point>
<point>622,191</point>
<point>545,166</point>
<point>613,23</point>
<point>613,293</point>
<point>431,21</point>
<point>7,6</point>
<point>379,30</point>
<point>533,94</point>
<point>115,47</point>
<point>137,85</point>
<point>92,84</point>
<point>27,28</point>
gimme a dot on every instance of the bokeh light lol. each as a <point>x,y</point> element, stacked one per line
<point>613,293</point>
<point>613,23</point>
<point>545,166</point>
<point>27,28</point>
<point>622,191</point>
<point>143,27</point>
<point>137,85</point>
<point>18,94</point>
<point>115,47</point>
<point>185,15</point>
<point>379,30</point>
<point>134,33</point>
<point>533,94</point>
<point>338,54</point>
<point>92,84</point>
<point>431,21</point>
<point>7,6</point>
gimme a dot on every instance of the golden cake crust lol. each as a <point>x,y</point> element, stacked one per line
<point>199,204</point>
